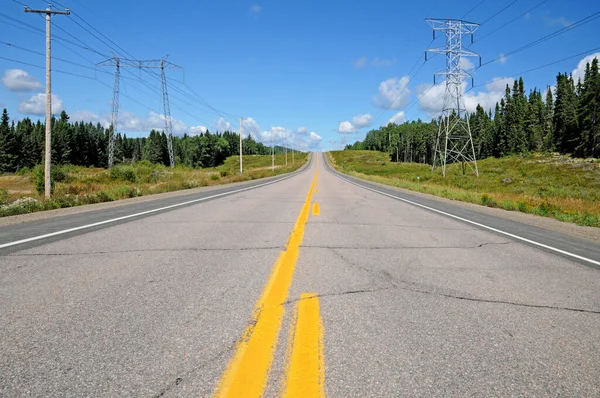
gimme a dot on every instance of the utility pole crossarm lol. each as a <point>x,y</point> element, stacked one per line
<point>48,11</point>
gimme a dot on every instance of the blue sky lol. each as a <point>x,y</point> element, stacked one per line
<point>310,73</point>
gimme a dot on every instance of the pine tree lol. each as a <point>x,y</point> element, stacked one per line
<point>565,114</point>
<point>61,139</point>
<point>589,112</point>
<point>548,138</point>
<point>534,122</point>
<point>9,149</point>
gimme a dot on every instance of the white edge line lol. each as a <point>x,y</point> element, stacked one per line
<point>473,222</point>
<point>66,231</point>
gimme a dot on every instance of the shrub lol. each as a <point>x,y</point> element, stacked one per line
<point>57,174</point>
<point>104,196</point>
<point>544,208</point>
<point>4,196</point>
<point>38,180</point>
<point>123,173</point>
<point>224,173</point>
<point>523,206</point>
<point>23,171</point>
<point>214,177</point>
<point>488,201</point>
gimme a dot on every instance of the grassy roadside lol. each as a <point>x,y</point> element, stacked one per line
<point>546,185</point>
<point>75,185</point>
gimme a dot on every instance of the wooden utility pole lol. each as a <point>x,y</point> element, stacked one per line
<point>47,158</point>
<point>241,150</point>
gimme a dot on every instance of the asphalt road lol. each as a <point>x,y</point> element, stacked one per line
<point>403,301</point>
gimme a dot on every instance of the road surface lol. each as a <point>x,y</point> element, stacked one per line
<point>309,286</point>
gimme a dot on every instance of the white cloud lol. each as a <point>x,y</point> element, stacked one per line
<point>19,80</point>
<point>315,137</point>
<point>502,58</point>
<point>89,116</point>
<point>393,93</point>
<point>302,130</point>
<point>156,121</point>
<point>383,62</point>
<point>360,121</point>
<point>432,97</point>
<point>466,64</point>
<point>131,122</point>
<point>346,127</point>
<point>250,126</point>
<point>360,63</point>
<point>256,9</point>
<point>282,136</point>
<point>36,105</point>
<point>498,84</point>
<point>398,118</point>
<point>222,125</point>
<point>579,72</point>
<point>276,135</point>
<point>558,21</point>
<point>196,130</point>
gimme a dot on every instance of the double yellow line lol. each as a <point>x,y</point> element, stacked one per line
<point>248,370</point>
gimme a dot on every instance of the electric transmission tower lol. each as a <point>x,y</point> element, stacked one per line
<point>115,107</point>
<point>161,64</point>
<point>454,142</point>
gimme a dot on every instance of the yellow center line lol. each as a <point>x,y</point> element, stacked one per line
<point>248,370</point>
<point>316,210</point>
<point>305,374</point>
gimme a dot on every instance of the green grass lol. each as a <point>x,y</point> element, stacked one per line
<point>547,185</point>
<point>76,185</point>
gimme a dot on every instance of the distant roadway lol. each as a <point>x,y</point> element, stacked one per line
<point>304,285</point>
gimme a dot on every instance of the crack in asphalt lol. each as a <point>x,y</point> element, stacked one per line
<point>392,225</point>
<point>149,250</point>
<point>403,247</point>
<point>478,300</point>
<point>394,284</point>
<point>178,380</point>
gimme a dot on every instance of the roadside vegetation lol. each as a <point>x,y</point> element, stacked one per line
<point>22,192</point>
<point>550,185</point>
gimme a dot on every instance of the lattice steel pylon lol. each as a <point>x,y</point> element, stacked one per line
<point>115,107</point>
<point>141,64</point>
<point>167,111</point>
<point>454,142</point>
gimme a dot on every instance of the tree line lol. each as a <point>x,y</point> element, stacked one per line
<point>566,120</point>
<point>85,144</point>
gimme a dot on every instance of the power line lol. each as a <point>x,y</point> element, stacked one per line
<point>543,66</point>
<point>473,9</point>
<point>82,44</point>
<point>511,21</point>
<point>38,32</point>
<point>498,13</point>
<point>23,23</point>
<point>43,55</point>
<point>410,79</point>
<point>574,25</point>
